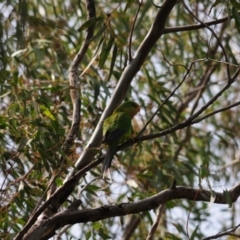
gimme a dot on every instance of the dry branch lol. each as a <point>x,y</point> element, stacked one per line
<point>49,226</point>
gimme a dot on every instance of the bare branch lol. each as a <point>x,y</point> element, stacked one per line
<point>190,121</point>
<point>196,26</point>
<point>73,80</point>
<point>210,68</point>
<point>63,230</point>
<point>230,164</point>
<point>75,96</point>
<point>170,95</point>
<point>228,232</point>
<point>125,80</point>
<point>160,212</point>
<point>49,226</point>
<point>131,227</point>
<point>216,111</point>
<point>131,33</point>
<point>215,35</point>
<point>59,196</point>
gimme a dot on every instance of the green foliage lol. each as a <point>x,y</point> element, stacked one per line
<point>38,41</point>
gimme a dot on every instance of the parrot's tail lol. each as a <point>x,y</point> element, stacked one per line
<point>107,161</point>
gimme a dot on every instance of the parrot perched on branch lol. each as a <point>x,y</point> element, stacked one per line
<point>117,129</point>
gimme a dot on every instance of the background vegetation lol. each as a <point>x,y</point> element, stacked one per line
<point>187,132</point>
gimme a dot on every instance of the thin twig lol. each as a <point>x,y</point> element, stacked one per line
<point>216,111</point>
<point>189,212</point>
<point>203,84</point>
<point>57,195</point>
<point>62,231</point>
<point>188,122</point>
<point>16,155</point>
<point>170,95</point>
<point>97,178</point>
<point>224,233</point>
<point>131,32</point>
<point>231,164</point>
<point>131,226</point>
<point>115,8</point>
<point>214,34</point>
<point>153,229</point>
<point>227,63</point>
<point>196,26</point>
<point>52,181</point>
<point>155,5</point>
<point>211,101</point>
<point>209,70</point>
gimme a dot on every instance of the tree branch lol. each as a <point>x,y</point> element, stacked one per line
<point>128,74</point>
<point>59,196</point>
<point>73,80</point>
<point>210,68</point>
<point>196,26</point>
<point>49,226</point>
<point>169,96</point>
<point>215,35</point>
<point>216,111</point>
<point>225,233</point>
<point>159,214</point>
<point>131,33</point>
<point>131,226</point>
<point>190,121</point>
<point>75,96</point>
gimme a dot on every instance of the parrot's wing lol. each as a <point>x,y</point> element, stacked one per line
<point>113,136</point>
<point>115,127</point>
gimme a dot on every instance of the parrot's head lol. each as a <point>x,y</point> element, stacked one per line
<point>129,107</point>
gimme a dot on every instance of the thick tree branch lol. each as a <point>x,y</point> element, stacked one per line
<point>125,80</point>
<point>59,196</point>
<point>49,226</point>
<point>123,84</point>
<point>75,96</point>
<point>73,80</point>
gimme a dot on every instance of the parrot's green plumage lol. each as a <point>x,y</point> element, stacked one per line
<point>117,129</point>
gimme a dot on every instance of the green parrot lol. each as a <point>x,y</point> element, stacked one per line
<point>117,129</point>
